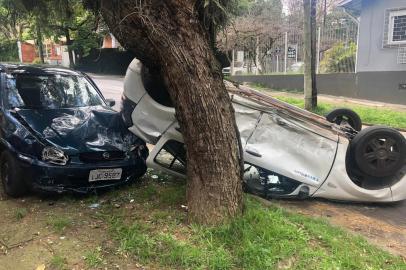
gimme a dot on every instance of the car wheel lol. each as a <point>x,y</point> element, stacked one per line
<point>11,176</point>
<point>345,116</point>
<point>379,151</point>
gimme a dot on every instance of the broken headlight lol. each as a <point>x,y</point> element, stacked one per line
<point>54,156</point>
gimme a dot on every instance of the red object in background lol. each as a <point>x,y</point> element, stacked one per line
<point>107,41</point>
<point>28,52</point>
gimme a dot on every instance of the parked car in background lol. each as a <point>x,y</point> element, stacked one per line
<point>288,152</point>
<point>59,134</point>
<point>239,69</point>
<point>297,67</point>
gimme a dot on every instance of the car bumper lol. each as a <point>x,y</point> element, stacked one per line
<point>74,178</point>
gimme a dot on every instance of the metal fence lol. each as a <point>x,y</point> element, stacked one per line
<point>336,51</point>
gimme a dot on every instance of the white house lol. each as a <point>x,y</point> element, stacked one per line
<point>382,34</point>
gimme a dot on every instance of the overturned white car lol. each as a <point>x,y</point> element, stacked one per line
<point>288,152</point>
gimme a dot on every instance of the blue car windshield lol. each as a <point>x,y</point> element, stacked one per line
<point>27,91</point>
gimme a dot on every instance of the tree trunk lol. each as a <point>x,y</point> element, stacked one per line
<point>309,38</point>
<point>232,62</point>
<point>69,44</point>
<point>257,63</point>
<point>39,42</point>
<point>168,37</point>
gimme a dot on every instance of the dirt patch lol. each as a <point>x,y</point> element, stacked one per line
<point>385,233</point>
<point>63,233</point>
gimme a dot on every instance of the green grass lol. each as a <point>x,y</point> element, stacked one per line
<point>59,224</point>
<point>20,213</point>
<point>262,238</point>
<point>369,115</point>
<point>58,263</point>
<point>94,258</point>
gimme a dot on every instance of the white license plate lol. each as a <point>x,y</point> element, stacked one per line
<point>105,174</point>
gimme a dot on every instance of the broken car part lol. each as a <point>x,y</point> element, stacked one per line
<point>58,134</point>
<point>292,152</point>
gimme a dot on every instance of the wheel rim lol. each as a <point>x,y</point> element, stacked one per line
<point>381,153</point>
<point>343,121</point>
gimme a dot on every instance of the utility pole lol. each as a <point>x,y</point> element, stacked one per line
<point>286,53</point>
<point>309,37</point>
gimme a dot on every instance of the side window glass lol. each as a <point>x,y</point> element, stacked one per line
<point>172,156</point>
<point>265,183</point>
<point>12,97</point>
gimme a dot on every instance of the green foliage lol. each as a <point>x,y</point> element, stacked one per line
<point>8,51</point>
<point>369,115</point>
<point>70,18</point>
<point>58,262</point>
<point>340,58</point>
<point>57,20</point>
<point>59,224</point>
<point>94,258</point>
<point>85,39</point>
<point>12,19</point>
<point>262,238</point>
<point>20,213</point>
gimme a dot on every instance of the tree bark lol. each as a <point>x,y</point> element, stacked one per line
<point>309,38</point>
<point>69,44</point>
<point>168,37</point>
<point>39,42</point>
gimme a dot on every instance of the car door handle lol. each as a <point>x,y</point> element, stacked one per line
<point>253,152</point>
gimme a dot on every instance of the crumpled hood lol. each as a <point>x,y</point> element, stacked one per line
<point>78,130</point>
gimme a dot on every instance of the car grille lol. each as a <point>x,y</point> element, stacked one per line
<point>92,157</point>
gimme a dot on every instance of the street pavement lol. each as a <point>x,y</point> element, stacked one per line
<point>394,214</point>
<point>110,86</point>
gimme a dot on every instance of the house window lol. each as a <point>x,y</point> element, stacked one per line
<point>397,27</point>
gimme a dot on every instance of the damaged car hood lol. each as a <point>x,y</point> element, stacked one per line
<point>78,130</point>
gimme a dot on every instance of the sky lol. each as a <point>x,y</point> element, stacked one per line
<point>285,7</point>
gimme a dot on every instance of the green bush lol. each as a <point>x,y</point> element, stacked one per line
<point>8,51</point>
<point>37,61</point>
<point>339,58</point>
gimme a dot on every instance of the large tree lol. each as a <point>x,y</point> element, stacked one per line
<point>69,19</point>
<point>13,19</point>
<point>175,40</point>
<point>61,18</point>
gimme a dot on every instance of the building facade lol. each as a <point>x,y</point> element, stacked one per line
<point>382,34</point>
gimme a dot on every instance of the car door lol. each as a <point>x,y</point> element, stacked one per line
<point>169,154</point>
<point>289,148</point>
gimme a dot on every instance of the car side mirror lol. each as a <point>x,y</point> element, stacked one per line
<point>111,102</point>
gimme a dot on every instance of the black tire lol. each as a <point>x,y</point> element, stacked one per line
<point>379,151</point>
<point>341,116</point>
<point>11,176</point>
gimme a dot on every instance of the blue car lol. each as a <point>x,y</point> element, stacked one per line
<point>59,134</point>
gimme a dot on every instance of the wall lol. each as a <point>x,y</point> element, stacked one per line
<point>64,59</point>
<point>28,53</point>
<point>371,54</point>
<point>107,42</point>
<point>376,86</point>
<point>107,61</point>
